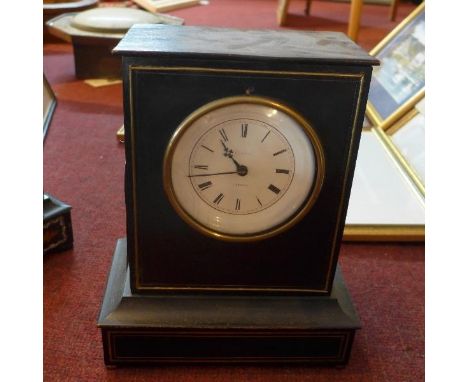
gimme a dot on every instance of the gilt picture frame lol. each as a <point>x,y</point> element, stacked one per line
<point>385,203</point>
<point>399,82</point>
<point>49,103</point>
<point>407,141</point>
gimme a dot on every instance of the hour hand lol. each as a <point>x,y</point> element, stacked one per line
<point>241,169</point>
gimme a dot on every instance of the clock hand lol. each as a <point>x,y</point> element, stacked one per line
<point>241,169</point>
<point>227,151</point>
<point>236,163</point>
<point>216,173</point>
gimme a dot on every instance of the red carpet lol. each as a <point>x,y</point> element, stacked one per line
<point>83,166</point>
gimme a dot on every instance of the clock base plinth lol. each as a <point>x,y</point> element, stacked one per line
<point>178,328</point>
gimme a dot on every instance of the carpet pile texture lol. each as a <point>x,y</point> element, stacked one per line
<point>84,166</point>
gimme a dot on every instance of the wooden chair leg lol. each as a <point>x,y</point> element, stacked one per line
<point>354,19</point>
<point>394,9</point>
<point>307,8</point>
<point>282,11</point>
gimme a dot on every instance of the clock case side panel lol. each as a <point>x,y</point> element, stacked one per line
<point>360,114</point>
<point>129,192</point>
<point>345,173</point>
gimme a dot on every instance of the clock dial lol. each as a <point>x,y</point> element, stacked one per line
<point>250,172</point>
<point>243,168</point>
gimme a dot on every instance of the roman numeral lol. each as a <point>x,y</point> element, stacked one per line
<point>204,167</point>
<point>259,202</point>
<point>218,199</point>
<point>207,148</point>
<point>237,204</point>
<point>266,135</point>
<point>223,135</point>
<point>281,171</point>
<point>204,186</point>
<point>244,128</point>
<point>275,189</point>
<point>280,152</point>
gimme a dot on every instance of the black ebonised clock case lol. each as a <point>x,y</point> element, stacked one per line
<point>57,225</point>
<point>168,72</point>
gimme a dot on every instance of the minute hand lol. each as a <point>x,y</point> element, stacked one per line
<point>216,173</point>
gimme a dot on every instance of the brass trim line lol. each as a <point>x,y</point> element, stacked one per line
<point>228,288</point>
<point>135,217</point>
<point>344,337</point>
<point>242,71</point>
<point>133,68</point>
<point>329,280</point>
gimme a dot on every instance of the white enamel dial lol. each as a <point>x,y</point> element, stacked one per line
<point>243,168</point>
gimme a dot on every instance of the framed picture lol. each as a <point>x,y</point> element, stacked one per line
<point>408,141</point>
<point>49,102</point>
<point>399,82</point>
<point>384,205</point>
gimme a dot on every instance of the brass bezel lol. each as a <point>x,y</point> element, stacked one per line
<point>371,112</point>
<point>228,101</point>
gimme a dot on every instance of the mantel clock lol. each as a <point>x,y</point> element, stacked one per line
<point>240,151</point>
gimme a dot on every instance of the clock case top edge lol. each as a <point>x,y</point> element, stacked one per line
<point>166,59</point>
<point>253,44</point>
